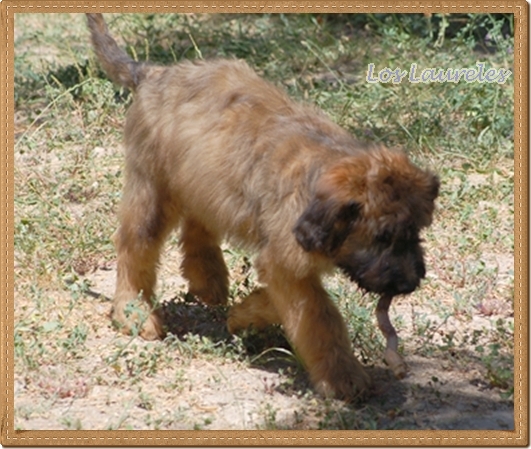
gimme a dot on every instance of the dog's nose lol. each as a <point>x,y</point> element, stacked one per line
<point>421,269</point>
<point>404,287</point>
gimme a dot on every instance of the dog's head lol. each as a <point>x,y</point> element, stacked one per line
<point>366,215</point>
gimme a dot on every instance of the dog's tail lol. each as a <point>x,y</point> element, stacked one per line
<point>115,62</point>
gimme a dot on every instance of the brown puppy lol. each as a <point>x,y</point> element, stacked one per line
<point>217,151</point>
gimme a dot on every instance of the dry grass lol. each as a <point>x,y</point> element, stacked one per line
<point>73,371</point>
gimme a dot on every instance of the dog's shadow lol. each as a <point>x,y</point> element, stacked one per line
<point>183,316</point>
<point>267,349</point>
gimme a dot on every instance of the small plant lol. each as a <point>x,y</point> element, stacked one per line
<point>145,401</point>
<point>270,417</point>
<point>72,423</point>
<point>497,357</point>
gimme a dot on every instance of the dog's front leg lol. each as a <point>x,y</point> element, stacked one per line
<point>319,335</point>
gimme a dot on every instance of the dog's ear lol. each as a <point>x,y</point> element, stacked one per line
<point>325,224</point>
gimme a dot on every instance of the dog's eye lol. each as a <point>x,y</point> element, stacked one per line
<point>384,238</point>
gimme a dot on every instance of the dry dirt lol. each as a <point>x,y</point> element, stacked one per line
<point>202,391</point>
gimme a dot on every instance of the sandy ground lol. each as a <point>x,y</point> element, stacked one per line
<point>216,393</point>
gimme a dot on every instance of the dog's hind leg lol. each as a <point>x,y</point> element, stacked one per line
<point>256,310</point>
<point>203,265</point>
<point>145,221</point>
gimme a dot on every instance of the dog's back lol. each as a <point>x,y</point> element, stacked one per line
<point>215,120</point>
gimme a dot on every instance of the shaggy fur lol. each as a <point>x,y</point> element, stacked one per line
<point>213,149</point>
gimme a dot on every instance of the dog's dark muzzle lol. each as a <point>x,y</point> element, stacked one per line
<point>392,277</point>
<point>398,286</point>
<point>403,281</point>
<point>401,287</point>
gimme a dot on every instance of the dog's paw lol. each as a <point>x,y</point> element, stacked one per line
<point>147,326</point>
<point>210,296</point>
<point>234,321</point>
<point>347,381</point>
<point>153,328</point>
<point>256,310</point>
<point>351,390</point>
